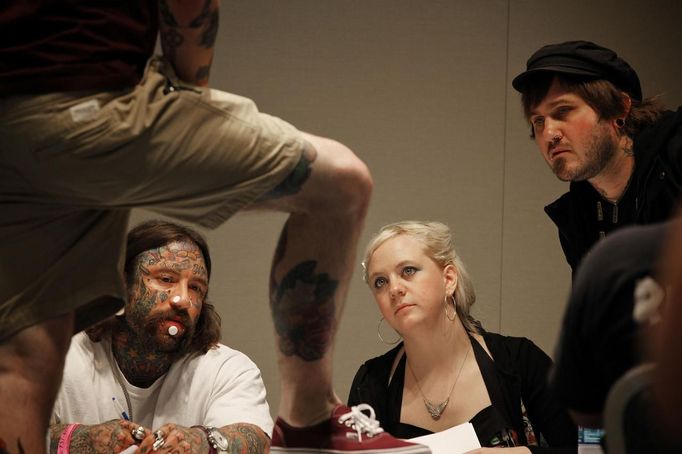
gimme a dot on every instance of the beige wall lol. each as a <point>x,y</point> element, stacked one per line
<point>421,91</point>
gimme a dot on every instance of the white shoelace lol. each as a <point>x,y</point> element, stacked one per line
<point>359,421</point>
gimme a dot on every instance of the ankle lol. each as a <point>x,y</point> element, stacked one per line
<point>307,412</point>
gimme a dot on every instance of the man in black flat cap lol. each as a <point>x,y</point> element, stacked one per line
<point>622,153</point>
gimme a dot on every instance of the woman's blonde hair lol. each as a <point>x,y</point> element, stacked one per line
<point>437,241</point>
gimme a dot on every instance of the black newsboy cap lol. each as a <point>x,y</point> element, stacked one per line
<point>582,58</point>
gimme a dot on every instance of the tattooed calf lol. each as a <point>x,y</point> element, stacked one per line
<point>304,312</point>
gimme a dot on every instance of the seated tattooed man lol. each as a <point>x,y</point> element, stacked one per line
<point>157,376</point>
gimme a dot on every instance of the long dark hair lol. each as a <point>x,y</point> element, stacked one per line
<point>600,94</point>
<point>153,235</point>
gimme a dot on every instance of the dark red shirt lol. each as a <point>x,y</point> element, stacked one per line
<point>66,45</point>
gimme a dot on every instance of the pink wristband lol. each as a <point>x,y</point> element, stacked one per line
<point>65,439</point>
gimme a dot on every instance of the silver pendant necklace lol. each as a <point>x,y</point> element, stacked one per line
<point>437,409</point>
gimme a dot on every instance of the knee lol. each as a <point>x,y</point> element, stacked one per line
<point>350,183</point>
<point>355,185</point>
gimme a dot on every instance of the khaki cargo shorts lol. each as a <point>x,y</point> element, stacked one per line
<point>72,165</point>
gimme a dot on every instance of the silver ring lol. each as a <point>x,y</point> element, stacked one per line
<point>158,443</point>
<point>138,433</point>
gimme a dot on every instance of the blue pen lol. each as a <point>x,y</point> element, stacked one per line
<point>123,412</point>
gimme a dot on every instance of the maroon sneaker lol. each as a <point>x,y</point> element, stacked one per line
<point>348,430</point>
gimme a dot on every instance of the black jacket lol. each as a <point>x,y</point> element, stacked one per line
<point>651,196</point>
<point>522,370</point>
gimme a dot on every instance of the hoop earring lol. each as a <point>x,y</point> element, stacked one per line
<point>454,308</point>
<point>381,338</point>
<point>620,122</point>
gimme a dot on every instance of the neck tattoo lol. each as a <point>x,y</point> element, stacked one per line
<point>436,410</point>
<point>119,380</point>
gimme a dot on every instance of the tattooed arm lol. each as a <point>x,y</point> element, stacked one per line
<point>188,32</point>
<point>104,438</point>
<point>242,438</point>
<point>246,438</point>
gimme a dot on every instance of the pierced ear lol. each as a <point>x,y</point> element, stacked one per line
<point>627,106</point>
<point>450,275</point>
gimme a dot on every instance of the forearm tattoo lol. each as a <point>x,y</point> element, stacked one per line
<point>206,23</point>
<point>166,14</point>
<point>303,308</point>
<point>171,39</point>
<point>246,439</point>
<point>208,20</point>
<point>55,432</point>
<point>202,73</point>
<point>203,16</point>
<point>110,436</point>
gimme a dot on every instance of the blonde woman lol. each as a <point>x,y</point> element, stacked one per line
<point>448,370</point>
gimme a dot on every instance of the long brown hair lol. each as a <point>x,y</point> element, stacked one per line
<point>152,235</point>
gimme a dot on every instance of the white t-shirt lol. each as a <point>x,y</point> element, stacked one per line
<point>216,389</point>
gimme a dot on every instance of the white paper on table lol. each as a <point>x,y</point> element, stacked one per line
<point>455,440</point>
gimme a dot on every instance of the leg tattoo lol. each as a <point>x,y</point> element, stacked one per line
<point>304,312</point>
<point>293,183</point>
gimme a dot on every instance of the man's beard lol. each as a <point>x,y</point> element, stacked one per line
<point>598,154</point>
<point>178,345</point>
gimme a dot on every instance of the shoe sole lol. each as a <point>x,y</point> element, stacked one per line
<point>404,450</point>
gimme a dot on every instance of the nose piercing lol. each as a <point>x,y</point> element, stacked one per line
<point>176,299</point>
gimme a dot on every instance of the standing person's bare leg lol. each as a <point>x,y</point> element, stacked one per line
<point>311,272</point>
<point>30,375</point>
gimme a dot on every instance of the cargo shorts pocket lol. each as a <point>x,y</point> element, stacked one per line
<point>78,130</point>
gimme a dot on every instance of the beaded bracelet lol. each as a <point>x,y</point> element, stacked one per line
<point>65,439</point>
